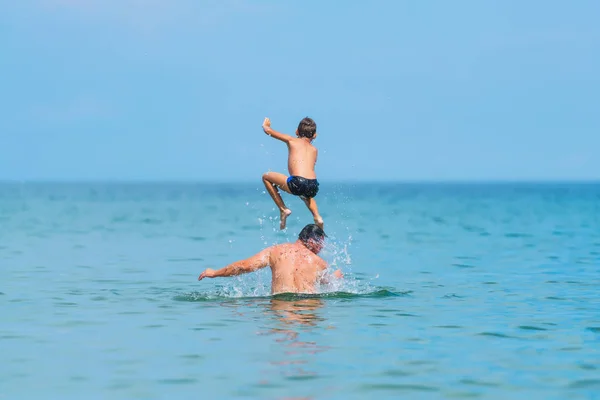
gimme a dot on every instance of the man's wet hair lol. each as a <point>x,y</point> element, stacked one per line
<point>307,128</point>
<point>311,231</point>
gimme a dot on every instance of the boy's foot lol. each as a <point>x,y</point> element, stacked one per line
<point>319,222</point>
<point>284,214</point>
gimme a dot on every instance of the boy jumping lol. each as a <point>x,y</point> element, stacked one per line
<point>302,158</point>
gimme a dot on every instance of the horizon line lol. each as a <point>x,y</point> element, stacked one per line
<point>328,181</point>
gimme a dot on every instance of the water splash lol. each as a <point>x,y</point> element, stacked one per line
<point>337,254</point>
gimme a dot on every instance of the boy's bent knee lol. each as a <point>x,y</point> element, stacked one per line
<point>266,178</point>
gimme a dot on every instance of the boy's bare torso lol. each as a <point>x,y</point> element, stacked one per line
<point>302,158</point>
<point>295,269</point>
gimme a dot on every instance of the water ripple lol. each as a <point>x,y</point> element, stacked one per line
<point>397,387</point>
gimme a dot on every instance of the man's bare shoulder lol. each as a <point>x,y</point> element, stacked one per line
<point>292,248</point>
<point>283,245</point>
<point>322,263</point>
<point>281,248</point>
<point>286,247</point>
<point>314,258</point>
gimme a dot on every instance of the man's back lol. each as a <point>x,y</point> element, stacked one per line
<point>302,158</point>
<point>295,269</point>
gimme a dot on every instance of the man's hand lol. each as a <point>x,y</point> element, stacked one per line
<point>338,274</point>
<point>208,273</point>
<point>266,124</point>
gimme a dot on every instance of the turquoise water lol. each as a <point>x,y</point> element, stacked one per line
<point>451,291</point>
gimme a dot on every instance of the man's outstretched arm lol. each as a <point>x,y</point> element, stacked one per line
<point>256,262</point>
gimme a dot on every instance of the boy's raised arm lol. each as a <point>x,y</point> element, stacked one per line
<point>277,135</point>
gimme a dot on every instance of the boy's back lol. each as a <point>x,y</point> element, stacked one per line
<point>302,158</point>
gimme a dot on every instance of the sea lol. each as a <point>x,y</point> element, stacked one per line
<point>451,290</point>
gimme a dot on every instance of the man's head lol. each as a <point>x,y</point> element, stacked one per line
<point>307,128</point>
<point>313,237</point>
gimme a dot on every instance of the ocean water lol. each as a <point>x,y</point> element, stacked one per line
<point>451,291</point>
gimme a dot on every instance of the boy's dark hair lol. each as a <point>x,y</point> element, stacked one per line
<point>311,231</point>
<point>307,128</point>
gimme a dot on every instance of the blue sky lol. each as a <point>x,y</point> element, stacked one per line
<point>400,90</point>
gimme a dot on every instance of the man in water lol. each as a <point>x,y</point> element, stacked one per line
<point>295,267</point>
